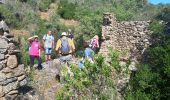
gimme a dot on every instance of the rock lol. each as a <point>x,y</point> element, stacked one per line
<point>11,46</point>
<point>2,78</point>
<point>13,92</point>
<point>2,56</point>
<point>3,44</point>
<point>1,66</point>
<point>11,86</point>
<point>12,52</point>
<point>1,91</point>
<point>122,64</point>
<point>20,78</point>
<point>6,70</point>
<point>19,70</point>
<point>9,75</point>
<point>3,25</point>
<point>23,82</point>
<point>11,97</point>
<point>3,51</point>
<point>12,61</point>
<point>132,67</point>
<point>8,35</point>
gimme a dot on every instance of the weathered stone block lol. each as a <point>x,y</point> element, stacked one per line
<point>3,44</point>
<point>9,87</point>
<point>2,56</point>
<point>12,61</point>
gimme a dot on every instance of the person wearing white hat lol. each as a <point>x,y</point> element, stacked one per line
<point>65,47</point>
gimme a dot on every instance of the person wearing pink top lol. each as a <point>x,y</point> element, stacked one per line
<point>34,51</point>
<point>94,42</point>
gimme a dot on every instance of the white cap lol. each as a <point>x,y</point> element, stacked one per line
<point>63,33</point>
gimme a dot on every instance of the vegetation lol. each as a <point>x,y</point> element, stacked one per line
<point>94,81</point>
<point>151,81</point>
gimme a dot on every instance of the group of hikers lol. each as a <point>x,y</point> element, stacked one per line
<point>65,47</point>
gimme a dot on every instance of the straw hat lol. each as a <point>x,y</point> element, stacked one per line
<point>35,36</point>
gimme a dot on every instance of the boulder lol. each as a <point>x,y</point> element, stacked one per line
<point>12,61</point>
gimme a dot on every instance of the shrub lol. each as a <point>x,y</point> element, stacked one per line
<point>8,16</point>
<point>66,10</point>
<point>43,5</point>
<point>94,81</point>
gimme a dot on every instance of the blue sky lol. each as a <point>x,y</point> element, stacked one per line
<point>159,1</point>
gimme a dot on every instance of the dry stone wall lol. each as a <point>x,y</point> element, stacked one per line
<point>12,75</point>
<point>130,38</point>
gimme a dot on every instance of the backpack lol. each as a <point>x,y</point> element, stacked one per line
<point>65,48</point>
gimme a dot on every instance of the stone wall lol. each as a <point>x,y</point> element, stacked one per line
<point>12,75</point>
<point>130,38</point>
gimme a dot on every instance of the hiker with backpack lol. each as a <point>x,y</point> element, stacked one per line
<point>94,42</point>
<point>34,51</point>
<point>48,45</point>
<point>65,47</point>
<point>88,54</point>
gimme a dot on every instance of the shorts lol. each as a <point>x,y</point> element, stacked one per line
<point>48,51</point>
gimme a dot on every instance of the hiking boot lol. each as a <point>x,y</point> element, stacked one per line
<point>39,68</point>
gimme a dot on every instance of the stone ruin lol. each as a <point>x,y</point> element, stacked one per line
<point>130,38</point>
<point>12,75</point>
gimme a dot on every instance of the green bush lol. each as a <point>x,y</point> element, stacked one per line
<point>43,5</point>
<point>156,26</point>
<point>8,16</point>
<point>66,10</point>
<point>94,81</point>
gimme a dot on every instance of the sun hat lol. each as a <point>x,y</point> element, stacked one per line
<point>63,34</point>
<point>35,36</point>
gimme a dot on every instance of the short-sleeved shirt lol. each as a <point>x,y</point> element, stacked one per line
<point>34,48</point>
<point>71,44</point>
<point>48,40</point>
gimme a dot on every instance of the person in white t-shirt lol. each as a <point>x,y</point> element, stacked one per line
<point>48,45</point>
